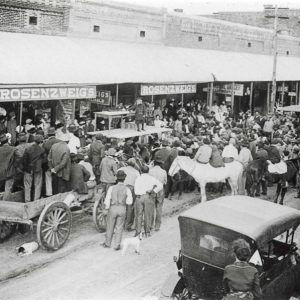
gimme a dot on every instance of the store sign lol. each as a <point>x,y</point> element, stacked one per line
<point>103,98</point>
<point>279,89</point>
<point>167,89</point>
<point>226,89</point>
<point>47,93</point>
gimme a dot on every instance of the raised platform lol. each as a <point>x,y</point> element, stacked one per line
<point>130,133</point>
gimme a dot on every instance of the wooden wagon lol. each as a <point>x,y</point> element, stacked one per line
<point>53,215</point>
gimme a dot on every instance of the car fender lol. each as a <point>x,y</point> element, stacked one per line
<point>174,284</point>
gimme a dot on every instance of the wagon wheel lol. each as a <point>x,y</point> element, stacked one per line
<point>6,229</point>
<point>54,225</point>
<point>98,217</point>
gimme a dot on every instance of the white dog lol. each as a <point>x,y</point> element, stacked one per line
<point>27,248</point>
<point>132,241</point>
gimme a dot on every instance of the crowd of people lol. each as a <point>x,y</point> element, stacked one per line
<point>45,160</point>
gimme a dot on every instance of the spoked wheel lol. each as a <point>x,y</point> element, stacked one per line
<point>184,295</point>
<point>54,225</point>
<point>6,230</point>
<point>99,218</point>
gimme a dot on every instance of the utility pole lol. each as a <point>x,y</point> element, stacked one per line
<point>275,38</point>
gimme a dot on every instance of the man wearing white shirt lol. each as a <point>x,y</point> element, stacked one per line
<point>159,173</point>
<point>116,199</point>
<point>131,175</point>
<point>146,187</point>
<point>230,152</point>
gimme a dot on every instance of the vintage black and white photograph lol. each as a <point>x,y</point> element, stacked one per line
<point>149,149</point>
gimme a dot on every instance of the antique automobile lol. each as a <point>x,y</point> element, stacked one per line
<point>207,231</point>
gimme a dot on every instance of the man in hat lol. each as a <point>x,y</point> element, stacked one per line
<point>276,164</point>
<point>203,154</point>
<point>128,149</point>
<point>33,158</point>
<point>108,169</point>
<point>11,127</point>
<point>172,155</point>
<point>140,112</point>
<point>74,141</point>
<point>131,175</point>
<point>79,175</point>
<point>230,152</point>
<point>118,196</point>
<point>20,150</point>
<point>60,165</point>
<point>245,157</point>
<point>88,127</point>
<point>146,187</point>
<point>159,173</point>
<point>28,125</point>
<point>48,143</point>
<point>96,154</point>
<point>7,165</point>
<point>163,153</point>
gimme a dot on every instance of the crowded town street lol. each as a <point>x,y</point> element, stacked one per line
<point>149,150</point>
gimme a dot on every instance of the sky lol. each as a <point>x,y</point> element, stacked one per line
<point>211,6</point>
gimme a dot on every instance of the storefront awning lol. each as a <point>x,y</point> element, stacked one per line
<point>40,59</point>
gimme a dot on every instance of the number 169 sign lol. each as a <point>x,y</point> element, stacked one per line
<point>102,97</point>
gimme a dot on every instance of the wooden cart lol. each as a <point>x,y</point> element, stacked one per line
<point>53,215</point>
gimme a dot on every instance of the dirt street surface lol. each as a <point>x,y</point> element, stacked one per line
<point>91,272</point>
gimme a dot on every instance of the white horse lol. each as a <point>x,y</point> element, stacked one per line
<point>204,173</point>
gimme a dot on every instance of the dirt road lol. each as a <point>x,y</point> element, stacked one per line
<point>98,273</point>
<point>93,272</point>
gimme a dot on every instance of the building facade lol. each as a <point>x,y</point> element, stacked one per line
<point>139,24</point>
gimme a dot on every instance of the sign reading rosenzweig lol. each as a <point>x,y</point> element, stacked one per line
<point>47,93</point>
<point>167,89</point>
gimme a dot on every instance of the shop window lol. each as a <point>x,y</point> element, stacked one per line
<point>287,52</point>
<point>199,38</point>
<point>33,20</point>
<point>142,33</point>
<point>249,45</point>
<point>96,28</point>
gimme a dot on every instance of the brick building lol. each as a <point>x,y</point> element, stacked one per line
<point>34,16</point>
<point>289,23</point>
<point>131,23</point>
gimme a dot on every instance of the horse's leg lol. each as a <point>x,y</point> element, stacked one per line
<point>278,190</point>
<point>203,193</point>
<point>283,191</point>
<point>230,181</point>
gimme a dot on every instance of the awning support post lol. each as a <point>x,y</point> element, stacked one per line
<point>117,94</point>
<point>251,97</point>
<point>207,96</point>
<point>182,98</point>
<point>73,110</point>
<point>297,92</point>
<point>232,95</point>
<point>21,115</point>
<point>282,93</point>
<point>152,98</point>
<point>211,90</point>
<point>268,98</point>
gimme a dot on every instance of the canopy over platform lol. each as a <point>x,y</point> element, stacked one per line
<point>255,218</point>
<point>29,59</point>
<point>120,133</point>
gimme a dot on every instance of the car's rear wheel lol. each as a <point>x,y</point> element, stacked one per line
<point>184,295</point>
